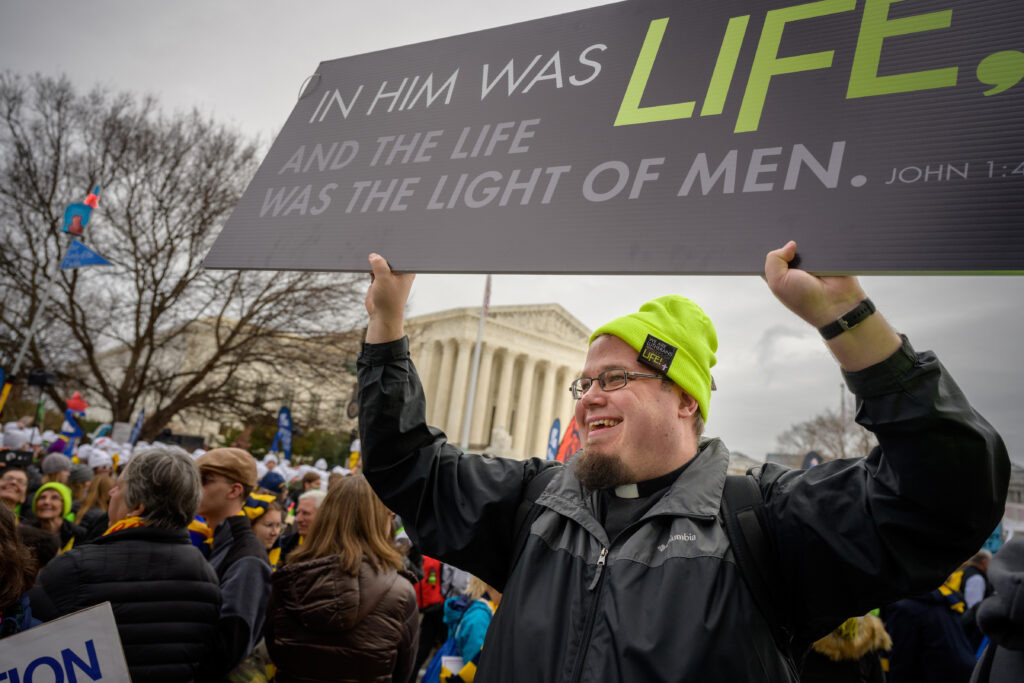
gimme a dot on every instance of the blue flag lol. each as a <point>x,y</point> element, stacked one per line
<point>137,428</point>
<point>73,431</point>
<point>80,255</point>
<point>553,438</point>
<point>284,433</point>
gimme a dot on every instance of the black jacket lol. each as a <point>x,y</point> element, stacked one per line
<point>240,560</point>
<point>664,601</point>
<point>164,595</point>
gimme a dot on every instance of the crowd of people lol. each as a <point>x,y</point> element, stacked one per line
<point>638,560</point>
<point>218,566</point>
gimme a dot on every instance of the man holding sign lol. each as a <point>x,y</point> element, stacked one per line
<point>623,570</point>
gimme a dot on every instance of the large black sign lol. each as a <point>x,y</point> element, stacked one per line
<point>660,137</point>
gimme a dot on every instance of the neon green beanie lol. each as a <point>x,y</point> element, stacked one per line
<point>674,336</point>
<point>65,494</point>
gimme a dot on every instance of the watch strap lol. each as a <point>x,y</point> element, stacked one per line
<point>848,320</point>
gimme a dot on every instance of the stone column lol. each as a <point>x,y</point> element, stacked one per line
<point>425,369</point>
<point>545,414</point>
<point>438,409</point>
<point>519,438</point>
<point>482,403</point>
<point>508,362</point>
<point>457,400</point>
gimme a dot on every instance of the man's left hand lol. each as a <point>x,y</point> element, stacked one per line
<point>821,300</point>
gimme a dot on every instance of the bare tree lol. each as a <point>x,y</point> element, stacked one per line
<point>829,434</point>
<point>156,329</point>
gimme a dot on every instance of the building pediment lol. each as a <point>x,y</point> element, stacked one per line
<point>549,322</point>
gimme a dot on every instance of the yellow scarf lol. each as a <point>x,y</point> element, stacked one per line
<point>126,523</point>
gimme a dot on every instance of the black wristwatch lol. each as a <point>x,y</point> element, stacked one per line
<point>848,320</point>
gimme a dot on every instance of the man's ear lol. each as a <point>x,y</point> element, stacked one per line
<point>236,491</point>
<point>687,405</point>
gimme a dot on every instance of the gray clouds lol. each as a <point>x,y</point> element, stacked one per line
<point>245,61</point>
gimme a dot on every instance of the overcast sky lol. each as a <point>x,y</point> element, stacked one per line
<point>244,62</point>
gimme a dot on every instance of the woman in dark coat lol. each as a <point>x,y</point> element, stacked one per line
<point>165,595</point>
<point>340,610</point>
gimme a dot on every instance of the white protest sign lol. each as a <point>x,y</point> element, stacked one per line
<point>83,646</point>
<point>121,432</point>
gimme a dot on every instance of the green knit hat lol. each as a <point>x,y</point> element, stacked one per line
<point>674,336</point>
<point>65,494</point>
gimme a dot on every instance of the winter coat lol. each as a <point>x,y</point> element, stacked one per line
<point>469,628</point>
<point>164,596</point>
<point>664,600</point>
<point>326,625</point>
<point>848,658</point>
<point>1001,618</point>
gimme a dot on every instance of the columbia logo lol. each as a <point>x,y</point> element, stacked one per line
<point>676,537</point>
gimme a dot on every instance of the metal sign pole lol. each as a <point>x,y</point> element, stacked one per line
<point>476,367</point>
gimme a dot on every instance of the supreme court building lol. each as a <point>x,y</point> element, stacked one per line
<point>529,356</point>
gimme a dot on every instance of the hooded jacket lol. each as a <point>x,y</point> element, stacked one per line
<point>664,599</point>
<point>326,625</point>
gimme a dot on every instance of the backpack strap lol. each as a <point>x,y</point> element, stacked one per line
<point>528,510</point>
<point>743,512</point>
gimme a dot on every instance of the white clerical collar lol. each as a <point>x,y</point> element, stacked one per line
<point>627,491</point>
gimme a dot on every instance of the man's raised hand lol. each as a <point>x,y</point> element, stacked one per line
<point>818,300</point>
<point>821,300</point>
<point>385,301</point>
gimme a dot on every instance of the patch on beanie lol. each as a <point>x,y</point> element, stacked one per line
<point>657,354</point>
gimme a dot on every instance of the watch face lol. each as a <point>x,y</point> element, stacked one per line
<point>352,410</point>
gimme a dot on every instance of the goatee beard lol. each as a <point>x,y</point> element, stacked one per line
<point>597,471</point>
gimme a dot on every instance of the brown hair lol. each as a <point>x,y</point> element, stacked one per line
<point>310,478</point>
<point>77,489</point>
<point>352,523</point>
<point>98,496</point>
<point>16,563</point>
<point>334,478</point>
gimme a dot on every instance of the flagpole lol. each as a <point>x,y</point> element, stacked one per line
<point>82,211</point>
<point>51,280</point>
<point>476,366</point>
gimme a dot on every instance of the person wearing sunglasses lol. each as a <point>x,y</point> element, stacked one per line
<point>623,569</point>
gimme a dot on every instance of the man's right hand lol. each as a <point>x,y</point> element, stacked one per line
<point>385,301</point>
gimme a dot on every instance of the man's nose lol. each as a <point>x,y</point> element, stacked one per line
<point>593,395</point>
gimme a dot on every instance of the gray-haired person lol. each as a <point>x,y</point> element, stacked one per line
<point>165,596</point>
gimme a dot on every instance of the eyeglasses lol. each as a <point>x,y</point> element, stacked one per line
<point>610,380</point>
<point>213,479</point>
<point>14,479</point>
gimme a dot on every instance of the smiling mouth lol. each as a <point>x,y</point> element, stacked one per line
<point>597,426</point>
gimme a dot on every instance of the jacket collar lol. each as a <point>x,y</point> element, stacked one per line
<point>147,533</point>
<point>696,493</point>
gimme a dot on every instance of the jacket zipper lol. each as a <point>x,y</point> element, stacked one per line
<point>595,585</point>
<point>588,627</point>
